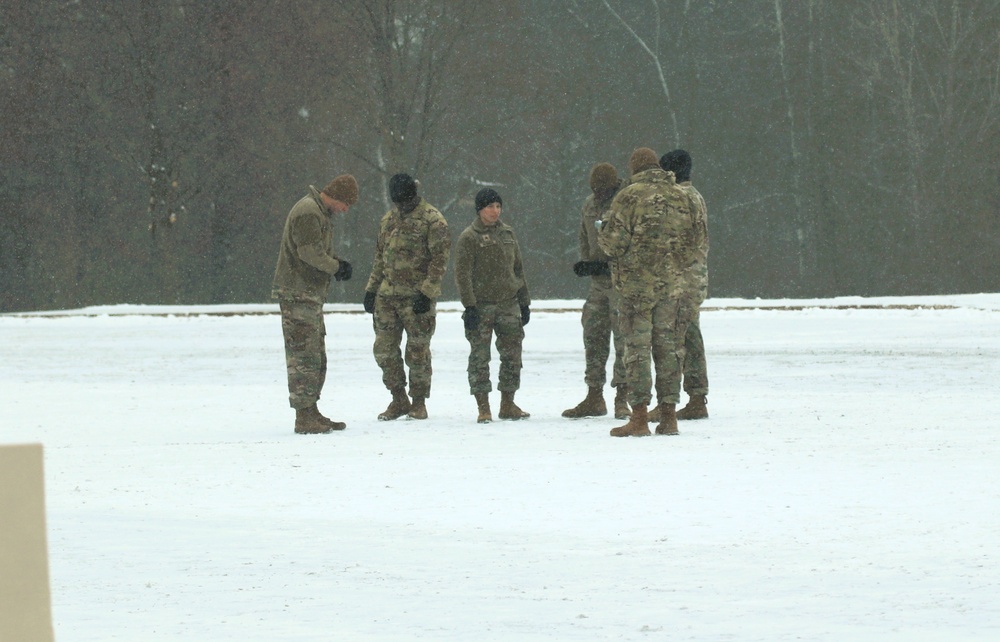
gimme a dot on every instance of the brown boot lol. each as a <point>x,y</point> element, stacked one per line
<point>399,406</point>
<point>668,420</point>
<point>485,415</point>
<point>654,414</point>
<point>509,409</point>
<point>696,408</point>
<point>308,421</point>
<point>418,410</point>
<point>637,426</point>
<point>592,406</point>
<point>622,411</point>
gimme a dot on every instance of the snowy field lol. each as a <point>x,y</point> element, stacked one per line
<point>846,486</point>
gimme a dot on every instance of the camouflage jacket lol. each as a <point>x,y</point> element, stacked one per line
<point>593,211</point>
<point>644,234</point>
<point>305,259</point>
<point>411,253</point>
<point>697,271</point>
<point>488,267</point>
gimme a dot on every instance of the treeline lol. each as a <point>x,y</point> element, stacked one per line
<point>150,149</point>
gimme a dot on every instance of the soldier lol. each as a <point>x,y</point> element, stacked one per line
<point>411,255</point>
<point>600,310</point>
<point>301,280</point>
<point>491,285</point>
<point>695,371</point>
<point>644,236</point>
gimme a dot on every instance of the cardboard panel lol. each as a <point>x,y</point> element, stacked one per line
<point>25,602</point>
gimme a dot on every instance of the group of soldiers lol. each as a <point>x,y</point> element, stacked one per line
<point>643,243</point>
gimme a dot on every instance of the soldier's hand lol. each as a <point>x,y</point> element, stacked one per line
<point>603,269</point>
<point>591,268</point>
<point>525,315</point>
<point>421,303</point>
<point>343,272</point>
<point>471,318</point>
<point>580,268</point>
<point>369,302</point>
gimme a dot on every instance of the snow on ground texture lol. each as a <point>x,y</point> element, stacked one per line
<point>845,487</point>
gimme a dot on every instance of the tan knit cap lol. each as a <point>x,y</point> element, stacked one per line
<point>642,159</point>
<point>603,177</point>
<point>344,188</point>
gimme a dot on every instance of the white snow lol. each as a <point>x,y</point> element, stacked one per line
<point>846,486</point>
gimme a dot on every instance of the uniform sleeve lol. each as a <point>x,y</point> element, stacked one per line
<point>307,236</point>
<point>584,236</point>
<point>465,263</point>
<point>439,246</point>
<point>615,236</point>
<point>523,298</point>
<point>378,265</point>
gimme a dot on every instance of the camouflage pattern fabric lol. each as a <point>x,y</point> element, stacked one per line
<point>393,316</point>
<point>647,234</point>
<point>695,364</point>
<point>600,323</point>
<point>411,253</point>
<point>305,350</point>
<point>503,320</point>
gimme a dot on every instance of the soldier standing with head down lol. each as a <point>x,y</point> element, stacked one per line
<point>411,256</point>
<point>492,287</point>
<point>301,280</point>
<point>644,236</point>
<point>600,310</point>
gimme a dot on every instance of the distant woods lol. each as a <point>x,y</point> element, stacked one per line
<point>150,149</point>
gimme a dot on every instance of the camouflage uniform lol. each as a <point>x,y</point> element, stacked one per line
<point>645,236</point>
<point>411,256</point>
<point>490,277</point>
<point>301,280</point>
<point>600,310</point>
<point>695,365</point>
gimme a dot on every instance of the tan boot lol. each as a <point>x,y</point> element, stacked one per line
<point>399,406</point>
<point>637,426</point>
<point>654,414</point>
<point>485,415</point>
<point>622,411</point>
<point>668,420</point>
<point>308,421</point>
<point>509,409</point>
<point>696,408</point>
<point>592,406</point>
<point>418,409</point>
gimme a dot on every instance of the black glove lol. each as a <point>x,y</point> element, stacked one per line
<point>471,318</point>
<point>525,315</point>
<point>370,302</point>
<point>343,272</point>
<point>592,268</point>
<point>421,303</point>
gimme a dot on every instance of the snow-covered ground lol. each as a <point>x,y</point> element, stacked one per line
<point>846,486</point>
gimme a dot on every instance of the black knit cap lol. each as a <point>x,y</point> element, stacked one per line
<point>486,196</point>
<point>677,161</point>
<point>402,188</point>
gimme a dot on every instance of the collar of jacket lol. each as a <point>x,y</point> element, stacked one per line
<point>482,228</point>
<point>653,175</point>
<point>319,201</point>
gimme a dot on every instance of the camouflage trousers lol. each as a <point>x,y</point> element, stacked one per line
<point>654,331</point>
<point>504,320</point>
<point>393,316</point>
<point>695,365</point>
<point>305,350</point>
<point>600,324</point>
